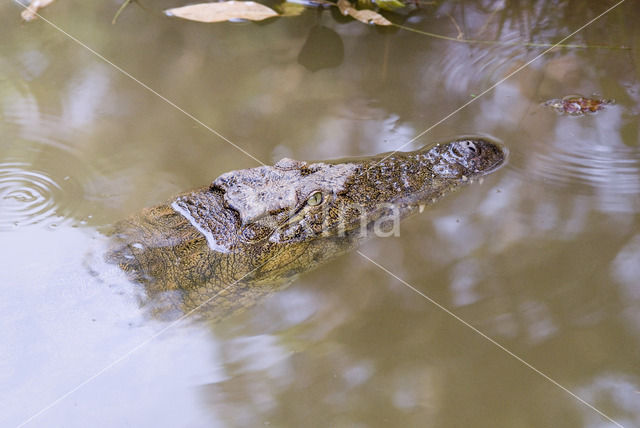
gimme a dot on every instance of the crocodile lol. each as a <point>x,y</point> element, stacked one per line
<point>220,248</point>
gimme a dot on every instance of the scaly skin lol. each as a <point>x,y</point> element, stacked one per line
<point>252,231</point>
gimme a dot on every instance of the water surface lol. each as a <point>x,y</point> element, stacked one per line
<point>542,256</point>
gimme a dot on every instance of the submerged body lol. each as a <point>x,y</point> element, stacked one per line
<point>222,247</point>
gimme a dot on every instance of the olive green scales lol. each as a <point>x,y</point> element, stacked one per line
<point>220,248</point>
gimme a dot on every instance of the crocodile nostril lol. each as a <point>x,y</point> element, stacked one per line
<point>470,145</point>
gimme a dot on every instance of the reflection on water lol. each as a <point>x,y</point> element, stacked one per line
<point>543,256</point>
<point>43,179</point>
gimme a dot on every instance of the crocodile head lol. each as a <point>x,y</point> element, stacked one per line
<point>253,230</point>
<point>296,201</point>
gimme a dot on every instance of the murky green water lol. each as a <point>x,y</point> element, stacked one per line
<point>543,256</point>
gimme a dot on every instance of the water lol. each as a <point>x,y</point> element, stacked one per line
<point>542,257</point>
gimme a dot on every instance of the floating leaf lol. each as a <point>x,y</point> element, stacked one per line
<point>30,13</point>
<point>291,9</point>
<point>577,105</point>
<point>223,11</point>
<point>390,5</point>
<point>366,16</point>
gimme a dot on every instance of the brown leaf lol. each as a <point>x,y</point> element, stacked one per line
<point>223,11</point>
<point>30,13</point>
<point>365,15</point>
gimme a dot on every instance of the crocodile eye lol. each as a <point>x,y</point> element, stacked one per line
<point>315,199</point>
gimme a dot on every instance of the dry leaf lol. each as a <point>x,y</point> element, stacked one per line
<point>223,11</point>
<point>366,16</point>
<point>29,14</point>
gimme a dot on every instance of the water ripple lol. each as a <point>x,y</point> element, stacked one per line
<point>26,197</point>
<point>31,195</point>
<point>611,174</point>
